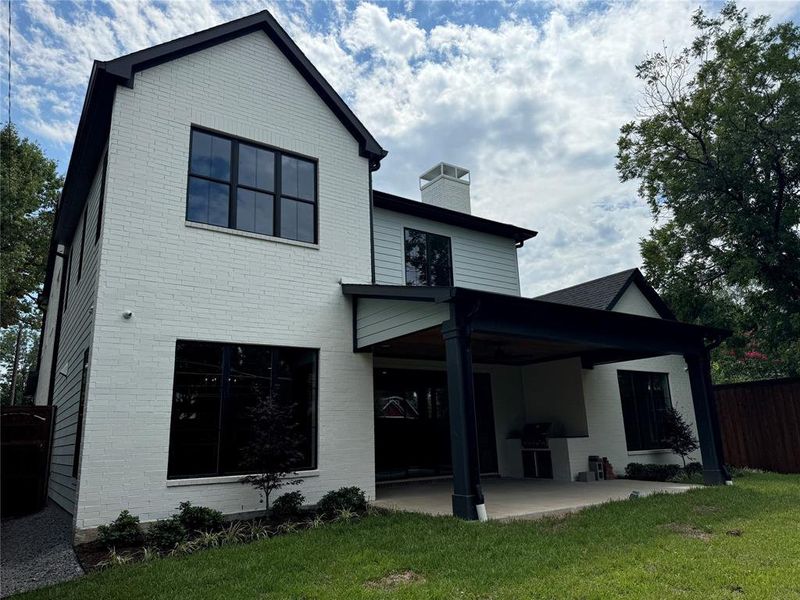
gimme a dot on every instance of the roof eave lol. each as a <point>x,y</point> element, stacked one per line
<point>399,204</point>
<point>95,121</point>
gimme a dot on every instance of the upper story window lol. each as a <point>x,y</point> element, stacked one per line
<point>428,258</point>
<point>249,187</point>
<point>645,401</point>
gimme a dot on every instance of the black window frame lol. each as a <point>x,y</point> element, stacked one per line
<point>226,350</point>
<point>637,439</point>
<point>101,201</point>
<point>428,235</point>
<point>233,183</point>
<point>83,243</point>
<point>76,455</point>
<point>66,273</point>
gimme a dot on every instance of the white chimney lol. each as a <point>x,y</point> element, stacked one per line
<point>446,186</point>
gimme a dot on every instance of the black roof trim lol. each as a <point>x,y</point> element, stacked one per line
<point>604,292</point>
<point>507,306</point>
<point>95,121</point>
<point>450,217</point>
<point>126,66</point>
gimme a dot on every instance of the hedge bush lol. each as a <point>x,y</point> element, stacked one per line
<point>165,534</point>
<point>199,518</point>
<point>288,507</point>
<point>652,472</point>
<point>351,499</point>
<point>122,531</point>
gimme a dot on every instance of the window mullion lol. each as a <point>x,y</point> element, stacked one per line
<point>225,392</point>
<point>234,184</point>
<point>276,205</point>
<point>428,259</point>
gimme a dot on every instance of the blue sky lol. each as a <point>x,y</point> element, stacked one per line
<point>528,95</point>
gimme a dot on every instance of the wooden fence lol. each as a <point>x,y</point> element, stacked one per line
<point>26,433</point>
<point>760,424</point>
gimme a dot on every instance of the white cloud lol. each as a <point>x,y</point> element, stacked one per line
<point>532,108</point>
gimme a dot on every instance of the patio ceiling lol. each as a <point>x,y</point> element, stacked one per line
<point>490,348</point>
<point>514,330</point>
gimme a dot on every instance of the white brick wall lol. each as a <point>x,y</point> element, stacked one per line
<point>604,407</point>
<point>187,282</point>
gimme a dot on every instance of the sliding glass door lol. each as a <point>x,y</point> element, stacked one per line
<point>412,428</point>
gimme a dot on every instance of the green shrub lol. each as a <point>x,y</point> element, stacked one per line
<point>651,472</point>
<point>693,468</point>
<point>346,498</point>
<point>166,534</point>
<point>123,531</point>
<point>288,507</point>
<point>199,518</point>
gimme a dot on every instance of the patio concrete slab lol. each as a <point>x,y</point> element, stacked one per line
<point>519,498</point>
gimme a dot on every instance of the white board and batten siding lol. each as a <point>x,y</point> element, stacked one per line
<point>481,261</point>
<point>76,337</point>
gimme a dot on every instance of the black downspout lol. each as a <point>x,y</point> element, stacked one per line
<point>57,335</point>
<point>463,422</point>
<point>371,229</point>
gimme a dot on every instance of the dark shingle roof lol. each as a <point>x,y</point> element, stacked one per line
<point>603,293</point>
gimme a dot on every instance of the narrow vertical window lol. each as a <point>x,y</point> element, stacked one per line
<point>102,199</point>
<point>67,266</point>
<point>298,191</point>
<point>83,240</point>
<point>81,406</point>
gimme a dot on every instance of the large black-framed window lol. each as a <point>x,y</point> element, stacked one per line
<point>645,400</point>
<point>428,258</point>
<point>214,388</point>
<point>251,187</point>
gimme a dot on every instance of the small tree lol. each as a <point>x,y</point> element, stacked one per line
<point>273,450</point>
<point>678,435</point>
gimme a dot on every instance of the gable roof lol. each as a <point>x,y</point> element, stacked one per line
<point>450,217</point>
<point>604,293</point>
<point>95,120</point>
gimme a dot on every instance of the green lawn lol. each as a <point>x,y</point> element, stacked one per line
<point>726,542</point>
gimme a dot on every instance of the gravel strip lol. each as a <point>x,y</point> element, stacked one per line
<point>36,551</point>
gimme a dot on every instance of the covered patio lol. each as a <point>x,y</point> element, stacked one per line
<point>519,498</point>
<point>457,327</point>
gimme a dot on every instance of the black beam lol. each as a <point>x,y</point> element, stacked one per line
<point>463,423</point>
<point>699,367</point>
<point>605,330</point>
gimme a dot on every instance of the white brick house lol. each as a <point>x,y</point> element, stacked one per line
<point>218,230</point>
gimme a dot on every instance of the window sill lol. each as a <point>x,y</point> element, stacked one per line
<point>656,451</point>
<point>249,234</point>
<point>231,479</point>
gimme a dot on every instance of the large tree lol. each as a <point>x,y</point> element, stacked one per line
<point>716,150</point>
<point>29,188</point>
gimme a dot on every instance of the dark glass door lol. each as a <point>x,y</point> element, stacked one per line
<point>412,427</point>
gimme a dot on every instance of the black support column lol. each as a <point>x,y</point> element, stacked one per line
<point>699,366</point>
<point>463,424</point>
